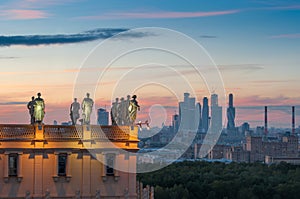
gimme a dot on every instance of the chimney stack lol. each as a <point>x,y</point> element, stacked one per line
<point>266,120</point>
<point>293,120</point>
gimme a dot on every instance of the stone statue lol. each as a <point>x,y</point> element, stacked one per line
<point>122,112</point>
<point>126,115</point>
<point>87,107</point>
<point>74,111</point>
<point>116,114</point>
<point>133,108</point>
<point>113,113</point>
<point>39,109</point>
<point>30,107</point>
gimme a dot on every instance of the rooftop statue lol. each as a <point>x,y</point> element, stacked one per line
<point>74,111</point>
<point>114,112</point>
<point>126,111</point>
<point>39,109</point>
<point>133,108</point>
<point>30,107</point>
<point>87,107</point>
<point>122,111</point>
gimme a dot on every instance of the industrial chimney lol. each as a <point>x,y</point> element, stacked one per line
<point>293,120</point>
<point>266,120</point>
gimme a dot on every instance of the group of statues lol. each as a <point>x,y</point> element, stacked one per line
<point>86,106</point>
<point>36,109</point>
<point>124,112</point>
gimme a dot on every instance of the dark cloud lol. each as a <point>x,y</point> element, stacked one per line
<point>208,36</point>
<point>12,103</point>
<point>239,67</point>
<point>8,57</point>
<point>272,81</point>
<point>90,35</point>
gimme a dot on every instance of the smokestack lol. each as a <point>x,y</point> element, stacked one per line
<point>293,120</point>
<point>266,120</point>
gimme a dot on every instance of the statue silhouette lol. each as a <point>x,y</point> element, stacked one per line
<point>113,113</point>
<point>116,114</point>
<point>122,111</point>
<point>39,109</point>
<point>74,111</point>
<point>133,108</point>
<point>30,107</point>
<point>87,107</point>
<point>126,115</point>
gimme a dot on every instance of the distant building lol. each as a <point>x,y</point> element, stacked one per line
<point>175,123</point>
<point>187,113</point>
<point>157,137</point>
<point>256,149</point>
<point>66,123</point>
<point>217,152</point>
<point>199,116</point>
<point>216,114</point>
<point>102,116</point>
<point>287,147</point>
<point>205,115</point>
<point>230,114</point>
<point>245,127</point>
<point>238,154</point>
<point>277,160</point>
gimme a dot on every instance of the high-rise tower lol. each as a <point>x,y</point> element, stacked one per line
<point>205,115</point>
<point>214,100</point>
<point>198,116</point>
<point>187,113</point>
<point>230,114</point>
<point>216,114</point>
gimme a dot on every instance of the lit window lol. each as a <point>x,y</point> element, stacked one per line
<point>110,161</point>
<point>13,164</point>
<point>62,164</point>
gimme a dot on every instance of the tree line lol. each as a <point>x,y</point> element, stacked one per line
<point>194,180</point>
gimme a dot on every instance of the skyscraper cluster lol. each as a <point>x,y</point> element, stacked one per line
<point>193,116</point>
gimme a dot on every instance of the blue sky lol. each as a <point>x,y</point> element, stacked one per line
<point>255,43</point>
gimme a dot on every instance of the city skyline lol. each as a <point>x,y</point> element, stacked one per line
<point>193,119</point>
<point>254,44</point>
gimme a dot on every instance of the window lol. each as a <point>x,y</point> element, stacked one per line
<point>13,164</point>
<point>62,164</point>
<point>110,161</point>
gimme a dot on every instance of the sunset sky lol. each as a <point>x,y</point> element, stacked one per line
<point>255,44</point>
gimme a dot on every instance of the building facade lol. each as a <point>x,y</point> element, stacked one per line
<point>287,147</point>
<point>52,161</point>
